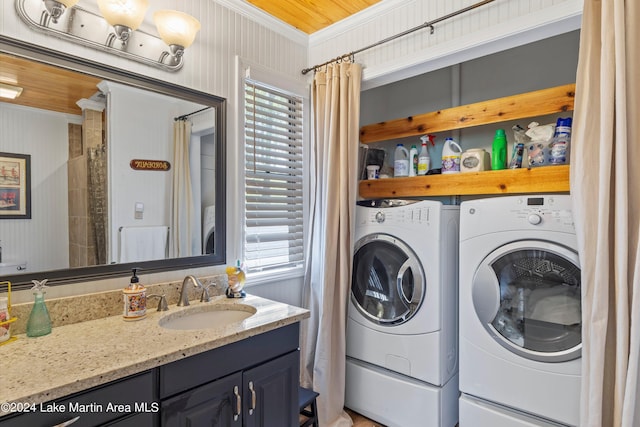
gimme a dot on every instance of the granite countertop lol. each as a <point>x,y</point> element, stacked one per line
<point>83,355</point>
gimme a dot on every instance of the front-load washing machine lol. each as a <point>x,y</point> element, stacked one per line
<point>520,316</point>
<point>402,317</point>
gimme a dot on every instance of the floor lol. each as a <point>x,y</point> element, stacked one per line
<point>360,421</point>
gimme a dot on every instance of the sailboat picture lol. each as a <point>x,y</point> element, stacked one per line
<point>15,191</point>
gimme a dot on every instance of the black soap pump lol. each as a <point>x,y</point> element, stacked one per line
<point>135,299</point>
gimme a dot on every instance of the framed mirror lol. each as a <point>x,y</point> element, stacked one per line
<point>124,171</point>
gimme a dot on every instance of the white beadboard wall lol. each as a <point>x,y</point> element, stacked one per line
<point>493,27</point>
<point>38,241</point>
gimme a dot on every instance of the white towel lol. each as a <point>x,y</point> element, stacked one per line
<point>143,243</point>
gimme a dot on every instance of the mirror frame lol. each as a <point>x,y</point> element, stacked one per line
<point>74,275</point>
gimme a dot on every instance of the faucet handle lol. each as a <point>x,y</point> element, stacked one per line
<point>162,302</point>
<point>205,297</point>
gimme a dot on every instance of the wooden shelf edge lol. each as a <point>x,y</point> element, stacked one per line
<point>530,104</point>
<point>549,179</point>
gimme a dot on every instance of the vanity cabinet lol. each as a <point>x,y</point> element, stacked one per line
<point>252,383</point>
<point>531,104</point>
<point>249,383</point>
<point>263,396</point>
<point>121,403</point>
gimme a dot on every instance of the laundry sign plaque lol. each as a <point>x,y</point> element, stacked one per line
<point>149,165</point>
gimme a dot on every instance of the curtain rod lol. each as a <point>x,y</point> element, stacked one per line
<point>184,116</point>
<point>404,33</point>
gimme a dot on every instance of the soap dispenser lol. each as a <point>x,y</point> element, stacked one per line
<point>135,299</point>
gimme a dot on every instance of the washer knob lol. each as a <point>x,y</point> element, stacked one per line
<point>534,219</point>
<point>380,217</point>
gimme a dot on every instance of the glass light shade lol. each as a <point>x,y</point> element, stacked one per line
<point>127,13</point>
<point>176,28</point>
<point>9,91</point>
<point>68,3</point>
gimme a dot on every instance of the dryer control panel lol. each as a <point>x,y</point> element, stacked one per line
<point>549,213</point>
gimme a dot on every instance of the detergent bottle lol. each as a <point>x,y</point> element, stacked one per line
<point>451,152</point>
<point>401,161</point>
<point>413,161</point>
<point>499,150</point>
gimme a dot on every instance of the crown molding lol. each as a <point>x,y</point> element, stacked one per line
<point>355,20</point>
<point>249,11</point>
<point>542,25</point>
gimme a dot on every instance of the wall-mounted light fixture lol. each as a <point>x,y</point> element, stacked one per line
<point>115,29</point>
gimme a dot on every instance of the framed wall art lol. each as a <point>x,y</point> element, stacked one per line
<point>15,186</point>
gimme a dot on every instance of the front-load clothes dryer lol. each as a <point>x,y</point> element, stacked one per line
<point>520,314</point>
<point>402,315</point>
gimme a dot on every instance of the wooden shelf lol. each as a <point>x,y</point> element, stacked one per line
<point>548,179</point>
<point>537,103</point>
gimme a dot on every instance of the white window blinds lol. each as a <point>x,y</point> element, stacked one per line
<point>273,228</point>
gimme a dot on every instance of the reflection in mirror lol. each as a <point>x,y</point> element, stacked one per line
<point>125,172</point>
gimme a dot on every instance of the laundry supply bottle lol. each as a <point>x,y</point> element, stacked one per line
<point>401,161</point>
<point>423,158</point>
<point>135,299</point>
<point>413,161</point>
<point>499,150</point>
<point>451,152</point>
<point>559,147</point>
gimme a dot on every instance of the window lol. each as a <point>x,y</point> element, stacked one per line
<point>273,228</point>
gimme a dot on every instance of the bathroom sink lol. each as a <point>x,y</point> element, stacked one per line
<point>207,316</point>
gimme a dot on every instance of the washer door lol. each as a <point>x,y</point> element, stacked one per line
<point>388,282</point>
<point>527,296</point>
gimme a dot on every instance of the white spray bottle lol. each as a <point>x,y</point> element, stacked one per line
<point>424,162</point>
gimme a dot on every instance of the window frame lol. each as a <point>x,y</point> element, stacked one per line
<point>284,83</point>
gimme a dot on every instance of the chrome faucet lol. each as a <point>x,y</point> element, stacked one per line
<point>184,295</point>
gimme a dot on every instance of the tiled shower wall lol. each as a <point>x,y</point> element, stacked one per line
<point>82,242</point>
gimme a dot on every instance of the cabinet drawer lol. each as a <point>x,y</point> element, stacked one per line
<point>205,367</point>
<point>95,406</point>
<point>213,404</point>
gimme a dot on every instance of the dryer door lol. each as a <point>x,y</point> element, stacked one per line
<point>388,281</point>
<point>527,296</point>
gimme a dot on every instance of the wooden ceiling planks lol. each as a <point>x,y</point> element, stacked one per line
<point>310,16</point>
<point>44,86</point>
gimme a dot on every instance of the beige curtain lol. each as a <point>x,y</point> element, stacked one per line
<point>183,219</point>
<point>336,104</point>
<point>605,184</point>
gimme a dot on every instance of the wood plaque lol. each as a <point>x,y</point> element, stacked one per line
<point>149,165</point>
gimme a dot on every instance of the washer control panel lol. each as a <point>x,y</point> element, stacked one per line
<point>405,215</point>
<point>393,212</point>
